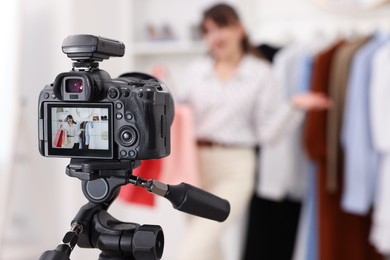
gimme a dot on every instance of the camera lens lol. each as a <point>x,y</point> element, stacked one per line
<point>74,85</point>
<point>127,136</point>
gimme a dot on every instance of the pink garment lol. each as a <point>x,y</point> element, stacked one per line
<point>149,169</point>
<point>182,164</point>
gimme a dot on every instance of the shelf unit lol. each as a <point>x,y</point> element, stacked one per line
<point>170,58</point>
<point>151,48</point>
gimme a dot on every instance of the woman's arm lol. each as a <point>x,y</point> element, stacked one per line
<point>278,116</point>
<point>311,101</point>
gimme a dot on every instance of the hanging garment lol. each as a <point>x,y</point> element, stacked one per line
<point>314,133</point>
<point>361,160</point>
<point>95,131</point>
<point>268,51</point>
<point>339,75</point>
<point>82,136</point>
<point>270,235</point>
<point>88,127</point>
<point>306,242</point>
<point>292,67</point>
<point>271,229</point>
<point>341,235</point>
<point>314,141</point>
<point>182,164</point>
<point>380,129</point>
<point>149,169</point>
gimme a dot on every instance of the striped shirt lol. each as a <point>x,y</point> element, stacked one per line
<point>247,109</point>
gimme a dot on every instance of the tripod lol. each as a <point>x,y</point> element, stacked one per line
<point>94,227</point>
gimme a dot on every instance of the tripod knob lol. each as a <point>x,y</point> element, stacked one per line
<point>62,252</point>
<point>148,242</point>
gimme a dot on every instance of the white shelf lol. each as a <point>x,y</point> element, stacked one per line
<point>168,48</point>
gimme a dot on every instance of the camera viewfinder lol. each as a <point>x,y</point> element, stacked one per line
<point>74,85</point>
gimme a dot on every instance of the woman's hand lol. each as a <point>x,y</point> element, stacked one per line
<point>311,101</point>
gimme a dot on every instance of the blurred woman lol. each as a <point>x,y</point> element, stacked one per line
<point>238,106</point>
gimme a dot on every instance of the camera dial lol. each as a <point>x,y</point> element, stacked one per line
<point>127,136</point>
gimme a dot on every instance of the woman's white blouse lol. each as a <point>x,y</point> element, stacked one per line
<point>247,109</point>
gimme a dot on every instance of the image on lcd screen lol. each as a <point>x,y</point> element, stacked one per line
<point>80,128</point>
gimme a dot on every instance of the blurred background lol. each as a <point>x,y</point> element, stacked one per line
<point>37,199</point>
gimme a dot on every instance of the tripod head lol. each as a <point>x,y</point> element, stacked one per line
<point>93,227</point>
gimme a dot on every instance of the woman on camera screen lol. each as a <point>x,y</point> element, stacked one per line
<point>72,132</point>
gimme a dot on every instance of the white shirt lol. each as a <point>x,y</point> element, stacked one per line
<point>71,130</point>
<point>380,127</point>
<point>246,109</point>
<point>72,133</point>
<point>288,179</point>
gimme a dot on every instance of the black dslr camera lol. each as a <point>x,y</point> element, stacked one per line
<point>107,127</point>
<point>87,114</point>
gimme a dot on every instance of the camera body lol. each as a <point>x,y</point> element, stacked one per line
<point>87,114</point>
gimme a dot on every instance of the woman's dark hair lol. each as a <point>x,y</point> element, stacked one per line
<point>225,15</point>
<point>70,117</point>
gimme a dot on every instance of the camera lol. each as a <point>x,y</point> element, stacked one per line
<point>85,113</point>
<point>107,126</point>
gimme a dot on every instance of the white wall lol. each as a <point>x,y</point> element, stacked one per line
<point>32,179</point>
<point>281,21</point>
<point>43,199</point>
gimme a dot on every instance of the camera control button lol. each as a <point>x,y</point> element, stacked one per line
<point>132,153</point>
<point>46,95</point>
<point>123,153</point>
<point>125,92</point>
<point>119,116</point>
<point>129,116</point>
<point>113,93</point>
<point>119,105</point>
<point>53,96</point>
<point>126,136</point>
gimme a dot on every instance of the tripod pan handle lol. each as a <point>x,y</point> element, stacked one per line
<point>195,201</point>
